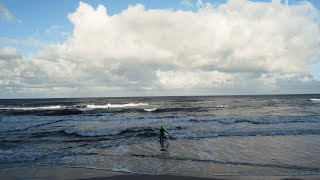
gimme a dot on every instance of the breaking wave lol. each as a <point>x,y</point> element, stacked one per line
<point>150,110</point>
<point>93,106</point>
<point>33,108</point>
<point>180,109</point>
<point>221,106</point>
<point>59,107</point>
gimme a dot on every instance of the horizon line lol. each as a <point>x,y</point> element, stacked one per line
<point>290,94</point>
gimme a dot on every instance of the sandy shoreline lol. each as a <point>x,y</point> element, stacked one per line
<point>68,173</point>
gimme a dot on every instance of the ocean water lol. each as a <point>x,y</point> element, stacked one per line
<point>210,135</point>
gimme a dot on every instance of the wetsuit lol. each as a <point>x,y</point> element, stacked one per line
<point>162,135</point>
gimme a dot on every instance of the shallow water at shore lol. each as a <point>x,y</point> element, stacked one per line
<point>228,135</point>
<point>208,157</point>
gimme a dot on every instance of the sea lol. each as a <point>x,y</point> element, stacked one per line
<point>264,135</point>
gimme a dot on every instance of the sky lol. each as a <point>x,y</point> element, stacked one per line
<point>107,48</point>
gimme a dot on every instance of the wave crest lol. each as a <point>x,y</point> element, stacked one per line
<point>150,109</point>
<point>33,108</point>
<point>93,106</point>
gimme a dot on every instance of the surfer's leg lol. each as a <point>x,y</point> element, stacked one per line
<point>161,141</point>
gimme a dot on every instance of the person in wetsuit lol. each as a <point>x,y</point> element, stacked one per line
<point>162,136</point>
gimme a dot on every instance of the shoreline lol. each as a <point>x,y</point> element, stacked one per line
<point>79,173</point>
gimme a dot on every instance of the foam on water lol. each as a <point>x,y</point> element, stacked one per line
<point>93,106</point>
<point>121,170</point>
<point>221,106</point>
<point>150,110</point>
<point>33,108</point>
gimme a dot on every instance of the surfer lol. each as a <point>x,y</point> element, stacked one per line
<point>162,135</point>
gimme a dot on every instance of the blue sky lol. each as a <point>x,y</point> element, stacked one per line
<point>36,24</point>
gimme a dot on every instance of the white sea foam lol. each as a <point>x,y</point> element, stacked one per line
<point>121,170</point>
<point>33,108</point>
<point>150,110</point>
<point>221,106</point>
<point>106,106</point>
<point>314,99</point>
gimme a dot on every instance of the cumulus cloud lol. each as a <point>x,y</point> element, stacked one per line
<point>30,42</point>
<point>238,44</point>
<point>237,36</point>
<point>8,53</point>
<point>192,79</point>
<point>7,15</point>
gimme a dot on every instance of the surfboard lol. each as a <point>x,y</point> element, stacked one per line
<point>166,139</point>
<point>166,134</point>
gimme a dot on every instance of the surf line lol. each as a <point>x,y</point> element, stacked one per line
<point>294,167</point>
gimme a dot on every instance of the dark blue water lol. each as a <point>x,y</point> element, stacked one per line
<point>211,135</point>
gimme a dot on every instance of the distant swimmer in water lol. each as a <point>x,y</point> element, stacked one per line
<point>164,134</point>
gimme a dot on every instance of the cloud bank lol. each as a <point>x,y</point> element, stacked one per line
<point>240,47</point>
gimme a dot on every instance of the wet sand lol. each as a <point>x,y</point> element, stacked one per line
<point>157,177</point>
<point>68,173</point>
<point>172,177</point>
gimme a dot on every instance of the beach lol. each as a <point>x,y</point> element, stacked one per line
<point>227,137</point>
<point>67,173</point>
<point>175,89</point>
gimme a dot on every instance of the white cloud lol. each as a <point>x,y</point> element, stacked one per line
<point>7,15</point>
<point>240,44</point>
<point>236,36</point>
<point>200,4</point>
<point>30,42</point>
<point>8,53</point>
<point>186,3</point>
<point>182,79</point>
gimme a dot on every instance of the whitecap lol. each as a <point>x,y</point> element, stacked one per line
<point>106,106</point>
<point>150,109</point>
<point>313,99</point>
<point>221,106</point>
<point>121,170</point>
<point>33,108</point>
